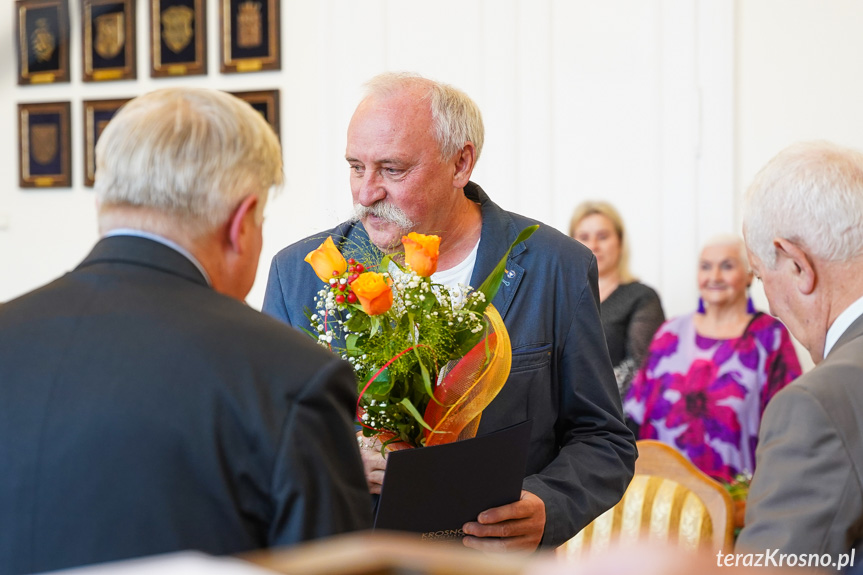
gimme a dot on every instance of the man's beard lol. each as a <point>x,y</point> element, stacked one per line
<point>388,213</point>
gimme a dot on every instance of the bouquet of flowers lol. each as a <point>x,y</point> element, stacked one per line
<point>428,358</point>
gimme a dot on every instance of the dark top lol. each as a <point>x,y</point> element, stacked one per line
<point>142,412</point>
<point>581,454</point>
<point>630,317</point>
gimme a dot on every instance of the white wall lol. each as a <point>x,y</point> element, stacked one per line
<point>628,100</point>
<point>798,77</point>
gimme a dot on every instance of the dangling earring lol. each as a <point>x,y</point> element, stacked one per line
<point>750,307</point>
<point>701,305</point>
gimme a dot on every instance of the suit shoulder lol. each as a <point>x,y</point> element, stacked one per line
<point>552,243</point>
<point>274,337</point>
<point>835,382</point>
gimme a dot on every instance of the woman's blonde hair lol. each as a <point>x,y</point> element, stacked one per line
<point>590,208</point>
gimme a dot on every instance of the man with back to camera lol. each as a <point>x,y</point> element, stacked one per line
<point>144,408</point>
<point>412,145</point>
<point>803,225</point>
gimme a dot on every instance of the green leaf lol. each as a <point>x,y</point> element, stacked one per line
<point>359,322</point>
<point>406,403</point>
<point>381,385</point>
<point>385,263</point>
<point>351,341</point>
<point>405,326</point>
<point>308,313</point>
<point>492,283</point>
<point>375,325</point>
<point>425,374</point>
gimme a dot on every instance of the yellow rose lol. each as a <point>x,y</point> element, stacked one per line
<point>421,253</point>
<point>326,259</point>
<point>373,292</point>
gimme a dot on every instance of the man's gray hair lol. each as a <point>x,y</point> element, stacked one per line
<point>811,194</point>
<point>190,153</point>
<point>455,116</point>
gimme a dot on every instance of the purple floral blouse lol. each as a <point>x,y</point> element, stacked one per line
<point>706,396</point>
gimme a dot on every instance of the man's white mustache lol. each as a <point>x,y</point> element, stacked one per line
<point>385,211</point>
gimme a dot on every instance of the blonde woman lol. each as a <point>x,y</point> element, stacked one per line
<point>631,311</point>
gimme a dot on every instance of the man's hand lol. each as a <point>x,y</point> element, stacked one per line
<point>515,527</point>
<point>373,462</point>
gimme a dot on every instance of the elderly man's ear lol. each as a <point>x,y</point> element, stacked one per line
<point>793,260</point>
<point>465,160</point>
<point>242,223</point>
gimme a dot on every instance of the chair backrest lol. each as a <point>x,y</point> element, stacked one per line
<point>669,500</point>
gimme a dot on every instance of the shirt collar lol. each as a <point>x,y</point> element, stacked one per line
<point>845,319</point>
<point>164,241</point>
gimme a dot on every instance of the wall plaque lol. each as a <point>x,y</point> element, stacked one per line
<point>42,33</point>
<point>264,101</point>
<point>97,114</point>
<point>178,37</point>
<point>108,39</point>
<point>250,37</point>
<point>44,145</point>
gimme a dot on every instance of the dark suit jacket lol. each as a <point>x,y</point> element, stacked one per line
<point>582,455</point>
<point>142,412</point>
<point>807,493</point>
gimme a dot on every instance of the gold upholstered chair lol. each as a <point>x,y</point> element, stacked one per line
<point>669,501</point>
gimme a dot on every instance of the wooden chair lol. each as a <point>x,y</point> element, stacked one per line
<point>669,501</point>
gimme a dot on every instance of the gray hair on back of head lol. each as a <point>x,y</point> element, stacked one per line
<point>811,193</point>
<point>455,116</point>
<point>189,153</point>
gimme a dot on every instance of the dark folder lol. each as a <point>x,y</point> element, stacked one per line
<point>436,490</point>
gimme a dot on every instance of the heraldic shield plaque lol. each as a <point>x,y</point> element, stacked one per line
<point>250,35</point>
<point>108,39</point>
<point>45,145</point>
<point>97,114</point>
<point>178,37</point>
<point>266,102</point>
<point>43,41</point>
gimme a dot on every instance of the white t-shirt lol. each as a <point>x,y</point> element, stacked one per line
<point>460,273</point>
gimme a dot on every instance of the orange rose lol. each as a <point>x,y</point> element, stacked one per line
<point>421,253</point>
<point>373,292</point>
<point>326,259</point>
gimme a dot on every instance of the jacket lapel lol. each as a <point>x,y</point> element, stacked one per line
<point>498,233</point>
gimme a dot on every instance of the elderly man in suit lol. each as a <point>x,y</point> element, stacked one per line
<point>804,231</point>
<point>144,408</point>
<point>411,148</point>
